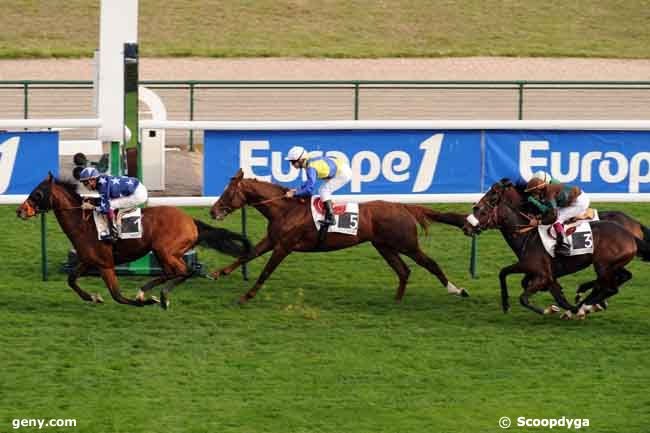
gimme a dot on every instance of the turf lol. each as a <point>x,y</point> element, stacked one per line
<point>323,348</point>
<point>338,28</point>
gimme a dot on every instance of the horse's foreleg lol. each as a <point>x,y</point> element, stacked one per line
<point>583,288</point>
<point>395,261</point>
<point>110,279</point>
<point>523,300</point>
<point>503,276</point>
<point>264,246</point>
<point>279,253</point>
<point>72,282</point>
<point>430,265</point>
<point>558,295</point>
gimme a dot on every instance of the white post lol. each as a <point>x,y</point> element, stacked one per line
<point>118,25</point>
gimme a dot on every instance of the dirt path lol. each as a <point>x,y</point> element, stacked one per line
<point>474,68</point>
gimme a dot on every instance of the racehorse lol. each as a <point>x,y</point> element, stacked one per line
<point>614,248</point>
<point>390,227</point>
<point>166,231</point>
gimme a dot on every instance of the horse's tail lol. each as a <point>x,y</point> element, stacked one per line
<point>426,216</point>
<point>643,249</point>
<point>223,240</point>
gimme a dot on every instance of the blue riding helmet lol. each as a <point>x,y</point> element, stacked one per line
<point>88,173</point>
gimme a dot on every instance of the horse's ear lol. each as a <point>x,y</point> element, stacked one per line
<point>50,177</point>
<point>240,174</point>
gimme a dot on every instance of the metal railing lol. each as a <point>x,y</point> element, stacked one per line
<point>342,100</point>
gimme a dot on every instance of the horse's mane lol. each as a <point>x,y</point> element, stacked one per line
<point>263,182</point>
<point>519,184</point>
<point>70,186</point>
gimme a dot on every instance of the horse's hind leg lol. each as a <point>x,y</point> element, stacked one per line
<point>176,272</point>
<point>148,286</point>
<point>164,299</point>
<point>279,253</point>
<point>395,261</point>
<point>72,282</point>
<point>110,279</point>
<point>430,265</point>
<point>264,246</point>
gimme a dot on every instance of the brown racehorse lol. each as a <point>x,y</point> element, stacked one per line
<point>390,227</point>
<point>167,231</point>
<point>614,248</point>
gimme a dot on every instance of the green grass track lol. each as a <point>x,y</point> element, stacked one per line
<point>323,348</point>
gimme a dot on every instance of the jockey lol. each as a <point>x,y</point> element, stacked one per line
<point>115,192</point>
<point>334,171</point>
<point>570,201</point>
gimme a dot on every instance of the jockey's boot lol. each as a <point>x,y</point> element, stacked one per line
<point>112,228</point>
<point>326,222</point>
<point>329,214</point>
<point>562,247</point>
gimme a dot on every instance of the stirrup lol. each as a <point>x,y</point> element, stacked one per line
<point>326,222</point>
<point>562,249</point>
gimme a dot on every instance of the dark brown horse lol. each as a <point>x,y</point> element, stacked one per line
<point>390,227</point>
<point>614,248</point>
<point>167,231</point>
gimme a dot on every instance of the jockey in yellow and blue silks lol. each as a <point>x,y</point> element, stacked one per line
<point>335,173</point>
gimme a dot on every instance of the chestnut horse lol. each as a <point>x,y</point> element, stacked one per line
<point>390,227</point>
<point>167,231</point>
<point>614,248</point>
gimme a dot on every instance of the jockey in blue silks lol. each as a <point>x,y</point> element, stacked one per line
<point>335,173</point>
<point>115,192</point>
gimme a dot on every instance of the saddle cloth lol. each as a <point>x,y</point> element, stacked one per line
<point>345,214</point>
<point>128,224</point>
<point>578,234</point>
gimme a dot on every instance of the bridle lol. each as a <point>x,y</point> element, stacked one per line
<point>493,220</point>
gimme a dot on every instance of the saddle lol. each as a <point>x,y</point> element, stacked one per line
<point>127,222</point>
<point>570,225</point>
<point>337,207</point>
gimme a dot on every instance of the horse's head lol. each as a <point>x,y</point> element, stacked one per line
<point>232,198</point>
<point>38,201</point>
<point>488,212</point>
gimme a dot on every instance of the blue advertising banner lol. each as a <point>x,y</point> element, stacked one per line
<point>597,161</point>
<point>25,159</point>
<point>382,161</point>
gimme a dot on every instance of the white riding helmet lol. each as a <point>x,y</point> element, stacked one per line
<point>543,176</point>
<point>296,153</point>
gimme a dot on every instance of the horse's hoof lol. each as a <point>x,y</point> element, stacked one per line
<point>552,309</point>
<point>604,304</point>
<point>164,301</point>
<point>215,275</point>
<point>464,293</point>
<point>242,300</point>
<point>154,300</point>
<point>97,298</point>
<point>567,315</point>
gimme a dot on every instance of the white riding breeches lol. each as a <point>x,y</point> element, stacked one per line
<point>578,207</point>
<point>139,196</point>
<point>343,176</point>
